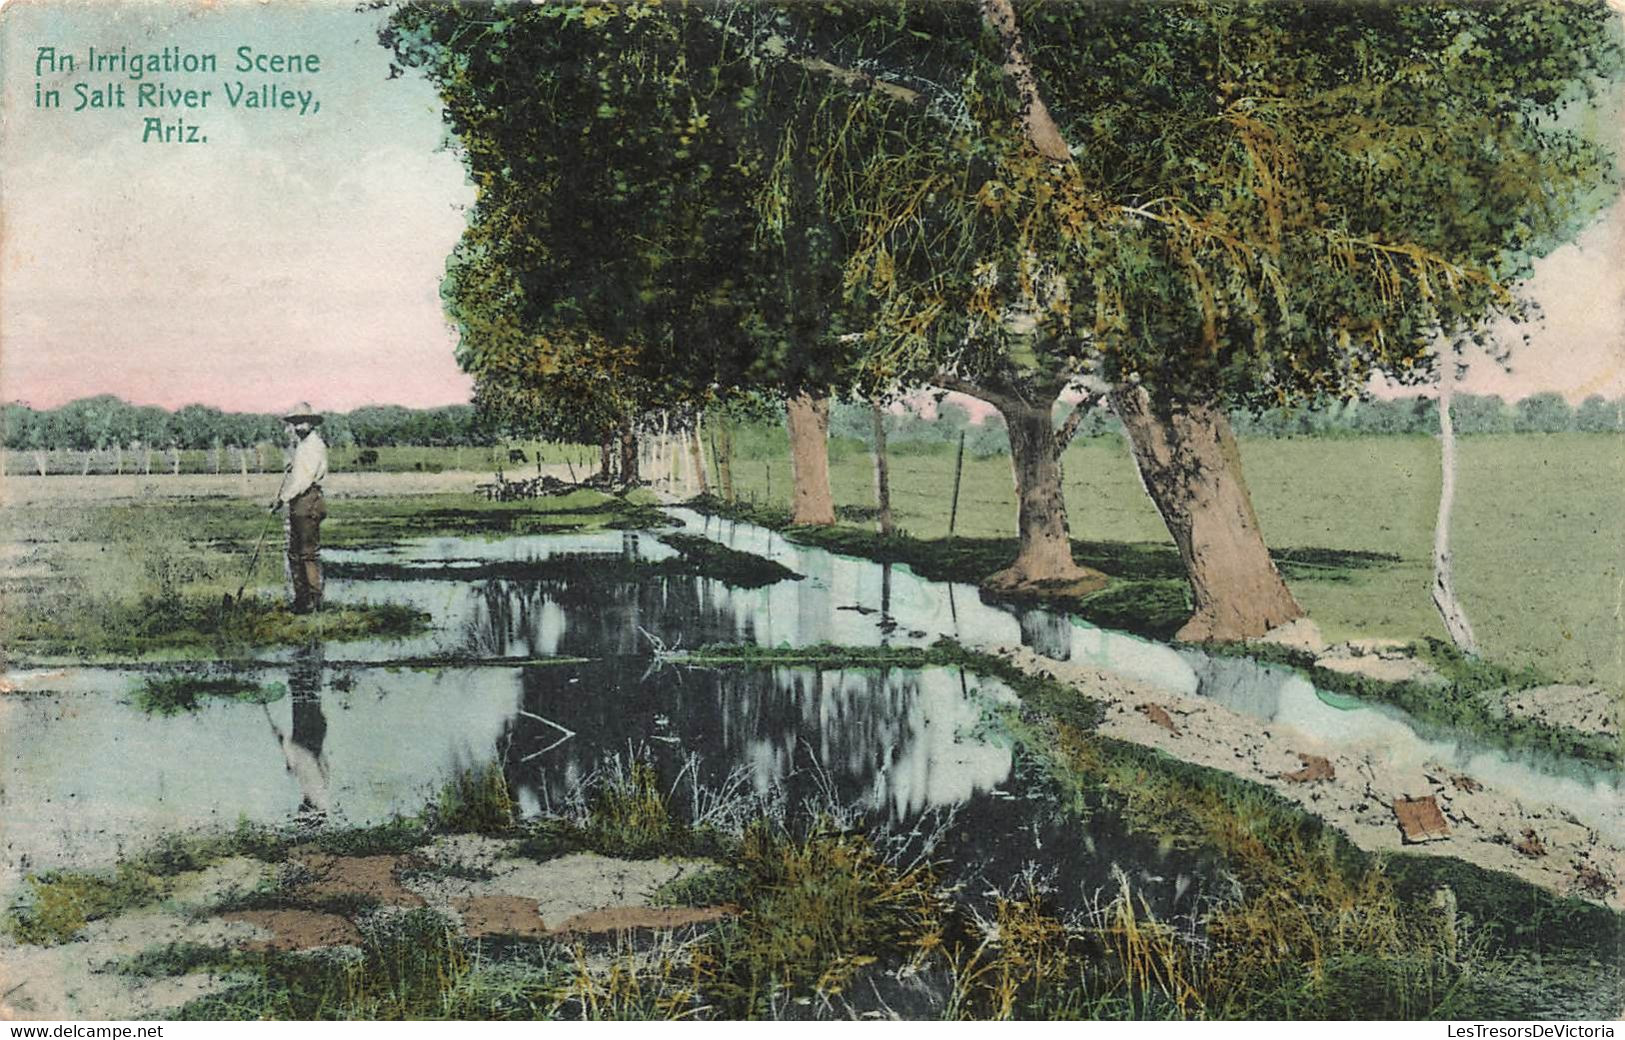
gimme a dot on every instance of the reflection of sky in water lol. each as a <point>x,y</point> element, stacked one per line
<point>896,742</point>
<point>86,772</point>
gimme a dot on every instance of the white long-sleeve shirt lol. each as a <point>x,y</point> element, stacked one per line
<point>309,466</point>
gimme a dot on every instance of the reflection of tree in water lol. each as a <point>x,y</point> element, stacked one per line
<point>1049,635</point>
<point>886,739</point>
<point>581,616</point>
<point>1239,684</point>
<point>302,744</point>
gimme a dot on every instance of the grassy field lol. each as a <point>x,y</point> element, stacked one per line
<point>268,459</point>
<point>1539,547</point>
<point>1540,550</point>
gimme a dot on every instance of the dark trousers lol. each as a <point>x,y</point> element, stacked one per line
<point>305,513</point>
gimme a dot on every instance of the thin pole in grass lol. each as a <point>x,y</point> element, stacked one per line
<point>959,469</point>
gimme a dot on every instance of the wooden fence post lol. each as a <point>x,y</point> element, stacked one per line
<point>959,469</point>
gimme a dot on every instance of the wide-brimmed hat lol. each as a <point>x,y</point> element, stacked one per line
<point>302,413</point>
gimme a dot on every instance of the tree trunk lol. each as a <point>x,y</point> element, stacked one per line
<point>1444,585</point>
<point>725,464</point>
<point>629,456</point>
<point>40,462</point>
<point>606,462</point>
<point>882,472</point>
<point>807,421</point>
<point>1044,550</point>
<point>1191,467</point>
<point>696,454</point>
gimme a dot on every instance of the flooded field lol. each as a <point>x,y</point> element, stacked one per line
<point>557,653</point>
<point>750,677</point>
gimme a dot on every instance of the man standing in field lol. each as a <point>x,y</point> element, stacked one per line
<point>302,494</point>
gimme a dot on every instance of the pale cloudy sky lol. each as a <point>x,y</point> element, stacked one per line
<point>300,257</point>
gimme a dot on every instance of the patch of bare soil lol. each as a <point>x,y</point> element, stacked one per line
<point>556,890</point>
<point>291,930</point>
<point>1584,708</point>
<point>368,877</point>
<point>646,918</point>
<point>1357,790</point>
<point>500,915</point>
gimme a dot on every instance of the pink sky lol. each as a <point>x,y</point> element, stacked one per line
<point>289,258</point>
<point>300,258</point>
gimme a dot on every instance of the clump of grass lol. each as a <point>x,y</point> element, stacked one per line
<point>411,965</point>
<point>816,910</point>
<point>186,693</point>
<point>712,559</point>
<point>1025,957</point>
<point>174,853</point>
<point>633,987</point>
<point>629,815</point>
<point>477,800</point>
<point>60,903</point>
<point>401,834</point>
<point>198,622</point>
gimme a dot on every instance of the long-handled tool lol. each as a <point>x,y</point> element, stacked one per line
<point>253,562</point>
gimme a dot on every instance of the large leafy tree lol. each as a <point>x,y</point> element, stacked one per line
<point>1195,205</point>
<point>1205,205</point>
<point>645,209</point>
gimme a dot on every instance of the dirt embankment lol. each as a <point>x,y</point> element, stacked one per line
<point>1361,791</point>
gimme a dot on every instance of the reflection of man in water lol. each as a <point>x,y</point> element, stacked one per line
<point>302,747</point>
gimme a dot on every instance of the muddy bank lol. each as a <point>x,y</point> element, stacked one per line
<point>1355,788</point>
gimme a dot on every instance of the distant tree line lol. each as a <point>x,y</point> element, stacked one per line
<point>106,422</point>
<point>1474,414</point>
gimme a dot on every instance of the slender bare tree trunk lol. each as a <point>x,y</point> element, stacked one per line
<point>40,462</point>
<point>696,454</point>
<point>1444,585</point>
<point>1191,467</point>
<point>725,450</point>
<point>118,458</point>
<point>668,465</point>
<point>882,470</point>
<point>807,421</point>
<point>606,463</point>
